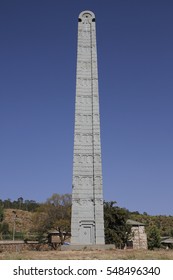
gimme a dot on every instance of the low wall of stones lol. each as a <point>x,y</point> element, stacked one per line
<point>18,246</point>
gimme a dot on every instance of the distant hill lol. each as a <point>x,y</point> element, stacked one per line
<point>162,222</point>
<point>23,221</point>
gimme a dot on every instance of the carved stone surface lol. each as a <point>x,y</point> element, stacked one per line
<point>87,226</point>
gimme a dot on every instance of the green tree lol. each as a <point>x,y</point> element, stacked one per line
<point>153,237</point>
<point>7,203</point>
<point>20,202</point>
<point>4,230</point>
<point>54,214</point>
<point>116,229</point>
<point>4,227</point>
<point>1,213</point>
<point>30,205</point>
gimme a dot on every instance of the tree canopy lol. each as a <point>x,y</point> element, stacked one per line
<point>116,229</point>
<point>54,214</point>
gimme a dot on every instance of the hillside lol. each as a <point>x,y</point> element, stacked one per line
<point>23,221</point>
<point>56,213</point>
<point>163,223</point>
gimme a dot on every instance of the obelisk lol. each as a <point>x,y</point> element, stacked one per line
<point>87,222</point>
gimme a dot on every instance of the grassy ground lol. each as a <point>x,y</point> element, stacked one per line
<point>89,255</point>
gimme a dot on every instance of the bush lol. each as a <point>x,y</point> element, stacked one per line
<point>153,237</point>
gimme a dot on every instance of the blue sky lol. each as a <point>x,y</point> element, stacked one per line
<point>38,41</point>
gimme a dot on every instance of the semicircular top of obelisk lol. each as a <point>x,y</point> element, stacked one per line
<point>86,14</point>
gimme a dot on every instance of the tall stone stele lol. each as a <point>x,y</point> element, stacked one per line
<point>87,224</point>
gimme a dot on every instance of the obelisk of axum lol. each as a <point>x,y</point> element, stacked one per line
<point>87,223</point>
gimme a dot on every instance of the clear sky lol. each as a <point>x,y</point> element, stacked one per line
<point>38,42</point>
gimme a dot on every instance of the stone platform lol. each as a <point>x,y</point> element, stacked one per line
<point>86,247</point>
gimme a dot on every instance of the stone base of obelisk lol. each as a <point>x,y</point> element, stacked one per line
<point>90,247</point>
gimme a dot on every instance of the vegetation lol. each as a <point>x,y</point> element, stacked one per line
<point>37,219</point>
<point>163,223</point>
<point>90,255</point>
<point>1,213</point>
<point>20,203</point>
<point>4,227</point>
<point>116,229</point>
<point>55,214</point>
<point>153,236</point>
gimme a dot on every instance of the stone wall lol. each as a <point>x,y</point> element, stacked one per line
<point>18,246</point>
<point>139,237</point>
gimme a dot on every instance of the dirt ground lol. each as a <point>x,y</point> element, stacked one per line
<point>89,255</point>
